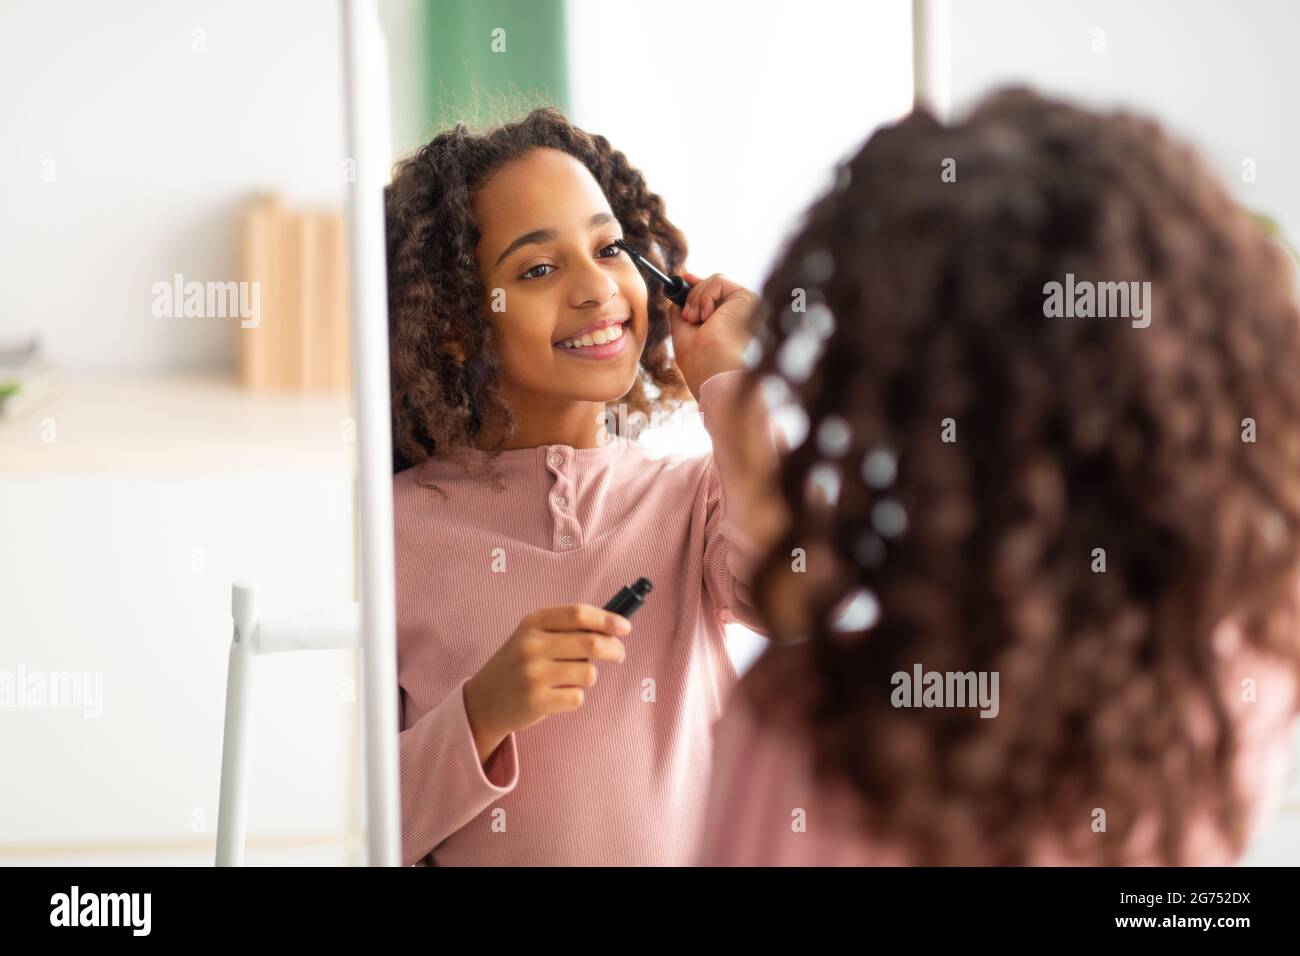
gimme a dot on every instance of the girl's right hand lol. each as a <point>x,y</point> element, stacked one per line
<point>541,670</point>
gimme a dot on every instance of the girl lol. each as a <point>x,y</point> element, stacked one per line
<point>1102,516</point>
<point>517,326</point>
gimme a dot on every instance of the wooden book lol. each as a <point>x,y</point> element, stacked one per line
<point>292,335</point>
<point>337,308</point>
<point>299,258</point>
<point>259,255</point>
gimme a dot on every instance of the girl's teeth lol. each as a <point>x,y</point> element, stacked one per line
<point>599,337</point>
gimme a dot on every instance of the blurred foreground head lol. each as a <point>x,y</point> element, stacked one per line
<point>1102,510</point>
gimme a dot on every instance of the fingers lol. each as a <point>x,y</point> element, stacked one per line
<point>560,686</point>
<point>691,310</point>
<point>583,646</point>
<point>707,294</point>
<point>686,311</point>
<point>563,699</point>
<point>580,617</point>
<point>561,674</point>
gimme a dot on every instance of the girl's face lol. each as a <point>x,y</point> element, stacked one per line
<point>547,259</point>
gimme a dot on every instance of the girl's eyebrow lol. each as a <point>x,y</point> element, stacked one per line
<point>538,236</point>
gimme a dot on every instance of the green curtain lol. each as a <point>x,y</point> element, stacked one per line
<point>470,77</point>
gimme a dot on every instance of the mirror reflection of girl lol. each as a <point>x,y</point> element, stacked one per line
<point>1073,504</point>
<point>537,728</point>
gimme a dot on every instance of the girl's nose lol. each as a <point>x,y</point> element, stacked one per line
<point>591,284</point>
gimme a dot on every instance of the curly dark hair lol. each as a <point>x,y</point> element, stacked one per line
<point>439,405</point>
<point>1071,434</point>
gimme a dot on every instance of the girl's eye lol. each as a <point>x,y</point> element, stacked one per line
<point>533,274</point>
<point>540,265</point>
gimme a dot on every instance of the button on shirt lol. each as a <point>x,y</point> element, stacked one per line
<point>622,780</point>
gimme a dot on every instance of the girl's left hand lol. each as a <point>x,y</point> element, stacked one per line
<point>710,334</point>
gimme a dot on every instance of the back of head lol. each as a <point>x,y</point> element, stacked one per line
<point>1072,501</point>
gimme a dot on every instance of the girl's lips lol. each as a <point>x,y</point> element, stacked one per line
<point>600,351</point>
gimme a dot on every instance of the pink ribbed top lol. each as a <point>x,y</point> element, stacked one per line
<point>623,779</point>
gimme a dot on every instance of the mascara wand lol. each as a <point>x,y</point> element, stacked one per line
<point>675,287</point>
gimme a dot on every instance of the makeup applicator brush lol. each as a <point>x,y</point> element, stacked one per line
<point>675,287</point>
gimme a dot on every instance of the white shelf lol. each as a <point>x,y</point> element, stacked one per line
<point>179,425</point>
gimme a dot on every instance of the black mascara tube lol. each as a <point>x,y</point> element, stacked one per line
<point>675,287</point>
<point>627,600</point>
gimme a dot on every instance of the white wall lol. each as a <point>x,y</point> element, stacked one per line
<point>737,111</point>
<point>1223,75</point>
<point>155,145</point>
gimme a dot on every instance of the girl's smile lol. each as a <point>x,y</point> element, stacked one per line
<point>598,340</point>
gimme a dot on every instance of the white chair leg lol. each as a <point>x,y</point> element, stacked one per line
<point>232,811</point>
